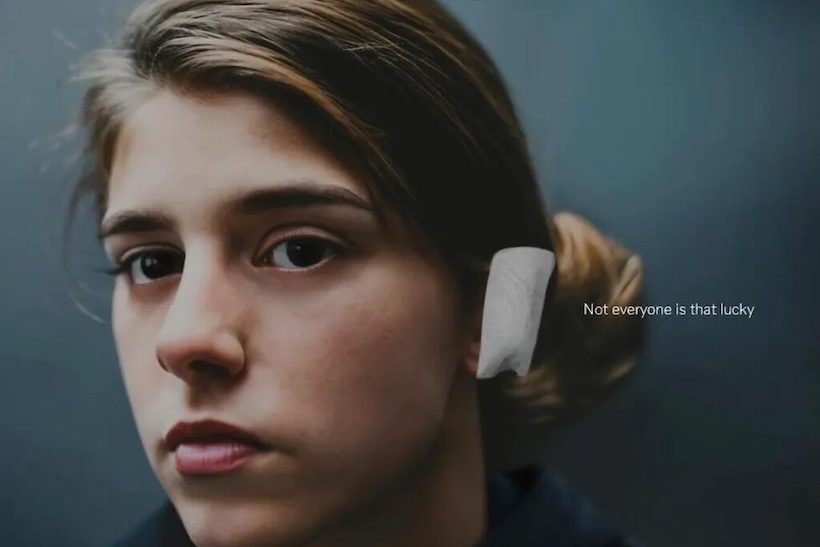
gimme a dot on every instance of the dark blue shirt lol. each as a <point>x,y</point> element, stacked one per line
<point>529,507</point>
<point>533,507</point>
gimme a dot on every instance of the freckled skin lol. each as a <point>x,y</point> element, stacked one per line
<point>360,369</point>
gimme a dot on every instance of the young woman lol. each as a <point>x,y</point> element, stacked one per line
<point>301,200</point>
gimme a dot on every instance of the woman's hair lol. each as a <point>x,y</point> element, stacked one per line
<point>409,99</point>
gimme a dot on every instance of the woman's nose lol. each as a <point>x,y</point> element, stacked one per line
<point>200,336</point>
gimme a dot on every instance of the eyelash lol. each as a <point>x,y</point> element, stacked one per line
<point>336,250</point>
<point>125,265</point>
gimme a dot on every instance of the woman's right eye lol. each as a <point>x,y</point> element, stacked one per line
<point>148,266</point>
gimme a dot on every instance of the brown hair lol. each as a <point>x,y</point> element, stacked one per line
<point>422,112</point>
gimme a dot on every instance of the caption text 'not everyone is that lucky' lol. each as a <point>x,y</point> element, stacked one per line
<point>694,310</point>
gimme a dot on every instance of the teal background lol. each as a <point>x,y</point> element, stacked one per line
<point>690,130</point>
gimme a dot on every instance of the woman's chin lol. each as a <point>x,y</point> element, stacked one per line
<point>230,522</point>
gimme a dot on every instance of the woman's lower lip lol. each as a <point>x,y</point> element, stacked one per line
<point>213,457</point>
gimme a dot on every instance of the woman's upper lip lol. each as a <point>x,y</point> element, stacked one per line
<point>209,429</point>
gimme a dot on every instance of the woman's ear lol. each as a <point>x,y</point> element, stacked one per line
<point>513,302</point>
<point>474,340</point>
<point>509,314</point>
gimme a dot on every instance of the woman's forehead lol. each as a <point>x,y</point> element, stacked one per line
<point>215,147</point>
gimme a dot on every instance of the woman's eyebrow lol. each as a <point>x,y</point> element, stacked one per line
<point>248,203</point>
<point>301,194</point>
<point>131,221</point>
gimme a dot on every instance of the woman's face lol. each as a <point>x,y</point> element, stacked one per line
<point>259,290</point>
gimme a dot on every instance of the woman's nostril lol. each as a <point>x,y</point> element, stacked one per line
<point>213,353</point>
<point>209,369</point>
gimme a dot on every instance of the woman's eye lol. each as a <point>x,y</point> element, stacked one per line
<point>148,266</point>
<point>300,252</point>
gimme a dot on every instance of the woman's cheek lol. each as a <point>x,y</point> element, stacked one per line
<point>134,336</point>
<point>381,370</point>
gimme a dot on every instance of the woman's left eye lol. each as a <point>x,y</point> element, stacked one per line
<point>301,252</point>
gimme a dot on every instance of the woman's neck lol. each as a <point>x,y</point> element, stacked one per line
<point>442,503</point>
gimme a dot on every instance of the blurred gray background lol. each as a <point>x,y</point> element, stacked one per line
<point>689,130</point>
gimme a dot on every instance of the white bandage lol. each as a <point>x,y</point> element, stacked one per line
<point>516,288</point>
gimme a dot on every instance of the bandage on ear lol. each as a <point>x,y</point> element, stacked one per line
<point>514,300</point>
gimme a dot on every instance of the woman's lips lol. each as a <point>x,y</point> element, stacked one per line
<point>207,447</point>
<point>209,458</point>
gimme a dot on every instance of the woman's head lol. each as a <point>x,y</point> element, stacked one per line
<point>298,317</point>
<point>302,198</point>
